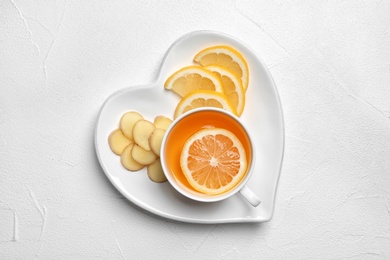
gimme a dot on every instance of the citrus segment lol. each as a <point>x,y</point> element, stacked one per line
<point>232,86</point>
<point>203,98</point>
<point>213,160</point>
<point>226,57</point>
<point>191,78</point>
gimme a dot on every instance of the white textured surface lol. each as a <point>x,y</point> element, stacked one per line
<point>60,60</point>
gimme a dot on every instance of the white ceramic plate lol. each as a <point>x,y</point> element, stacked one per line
<point>262,115</point>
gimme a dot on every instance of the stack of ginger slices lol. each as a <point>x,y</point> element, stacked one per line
<point>220,81</point>
<point>138,141</point>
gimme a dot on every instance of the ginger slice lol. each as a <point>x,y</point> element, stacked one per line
<point>141,133</point>
<point>128,161</point>
<point>155,140</point>
<point>155,172</point>
<point>118,141</point>
<point>162,122</point>
<point>128,121</point>
<point>143,156</point>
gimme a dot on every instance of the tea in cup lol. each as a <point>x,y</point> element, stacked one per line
<point>207,155</point>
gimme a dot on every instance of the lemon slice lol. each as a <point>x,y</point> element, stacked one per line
<point>203,98</point>
<point>191,78</point>
<point>213,160</point>
<point>232,87</point>
<point>227,57</point>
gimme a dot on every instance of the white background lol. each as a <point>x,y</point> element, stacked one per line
<point>60,60</point>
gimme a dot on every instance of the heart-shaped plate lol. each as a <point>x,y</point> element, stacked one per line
<point>262,115</point>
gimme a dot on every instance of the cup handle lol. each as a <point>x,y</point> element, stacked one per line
<point>250,196</point>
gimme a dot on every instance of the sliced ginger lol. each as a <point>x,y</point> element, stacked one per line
<point>162,122</point>
<point>138,141</point>
<point>155,172</point>
<point>155,140</point>
<point>141,132</point>
<point>128,121</point>
<point>118,142</point>
<point>143,156</point>
<point>128,161</point>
